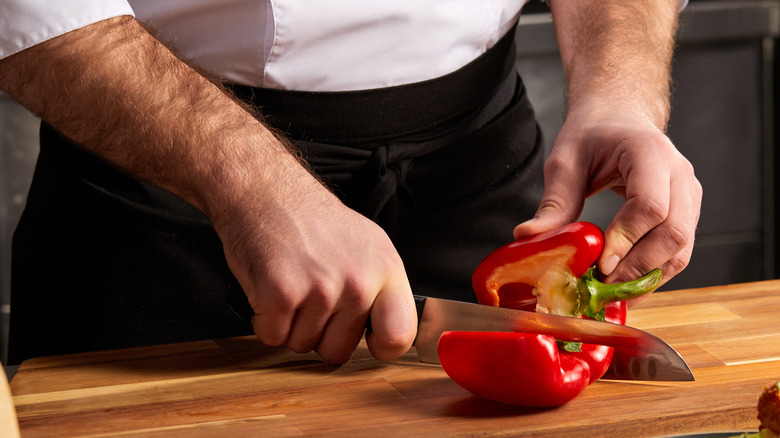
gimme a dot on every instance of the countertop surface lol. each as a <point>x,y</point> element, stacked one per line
<point>729,336</point>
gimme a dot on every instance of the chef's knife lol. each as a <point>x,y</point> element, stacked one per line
<point>638,355</point>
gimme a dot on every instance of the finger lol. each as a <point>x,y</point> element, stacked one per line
<point>341,337</point>
<point>671,252</point>
<point>273,318</point>
<point>647,205</point>
<point>347,322</point>
<point>563,198</point>
<point>308,325</point>
<point>670,244</point>
<point>654,250</point>
<point>272,328</point>
<point>393,321</point>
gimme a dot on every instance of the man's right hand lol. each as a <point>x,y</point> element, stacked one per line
<point>313,269</point>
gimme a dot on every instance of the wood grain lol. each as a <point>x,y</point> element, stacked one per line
<point>9,427</point>
<point>729,335</point>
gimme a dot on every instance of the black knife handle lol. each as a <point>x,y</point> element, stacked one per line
<point>236,300</point>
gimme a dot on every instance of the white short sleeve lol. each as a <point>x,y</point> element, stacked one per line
<point>25,23</point>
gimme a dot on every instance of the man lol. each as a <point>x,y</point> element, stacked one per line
<point>155,187</point>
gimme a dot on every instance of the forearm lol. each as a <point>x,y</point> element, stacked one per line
<point>618,53</point>
<point>114,89</point>
<point>312,268</point>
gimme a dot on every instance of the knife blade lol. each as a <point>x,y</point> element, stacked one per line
<point>638,355</point>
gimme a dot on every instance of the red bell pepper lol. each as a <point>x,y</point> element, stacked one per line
<point>553,273</point>
<point>523,368</point>
<point>516,368</point>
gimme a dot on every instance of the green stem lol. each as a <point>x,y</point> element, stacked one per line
<point>594,294</point>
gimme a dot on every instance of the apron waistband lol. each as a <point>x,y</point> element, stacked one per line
<point>374,114</point>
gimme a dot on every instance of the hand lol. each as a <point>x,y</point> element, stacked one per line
<point>616,56</point>
<point>627,153</point>
<point>313,270</point>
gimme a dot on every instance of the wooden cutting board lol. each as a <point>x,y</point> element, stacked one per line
<point>729,335</point>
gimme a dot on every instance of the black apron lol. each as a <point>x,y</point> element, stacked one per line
<point>447,167</point>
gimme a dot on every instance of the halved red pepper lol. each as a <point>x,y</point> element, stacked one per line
<point>553,273</point>
<point>515,368</point>
<point>523,368</point>
<point>508,275</point>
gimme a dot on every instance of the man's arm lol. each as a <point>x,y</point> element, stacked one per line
<point>313,269</point>
<point>616,56</point>
<point>618,53</point>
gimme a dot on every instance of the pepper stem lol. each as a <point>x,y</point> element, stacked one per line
<point>594,294</point>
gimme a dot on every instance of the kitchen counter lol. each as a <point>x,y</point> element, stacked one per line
<point>729,336</point>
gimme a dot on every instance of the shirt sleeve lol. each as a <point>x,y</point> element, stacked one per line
<point>25,23</point>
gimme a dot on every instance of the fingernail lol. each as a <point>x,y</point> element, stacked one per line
<point>610,264</point>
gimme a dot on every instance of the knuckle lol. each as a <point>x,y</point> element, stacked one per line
<point>319,289</point>
<point>323,292</point>
<point>677,264</point>
<point>699,189</point>
<point>655,212</point>
<point>687,166</point>
<point>558,159</point>
<point>689,172</point>
<point>554,161</point>
<point>681,259</point>
<point>359,292</point>
<point>279,294</point>
<point>678,237</point>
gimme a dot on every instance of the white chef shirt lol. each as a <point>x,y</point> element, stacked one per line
<point>316,45</point>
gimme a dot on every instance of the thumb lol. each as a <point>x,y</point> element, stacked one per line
<point>562,202</point>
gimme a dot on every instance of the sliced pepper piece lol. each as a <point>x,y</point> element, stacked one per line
<point>514,368</point>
